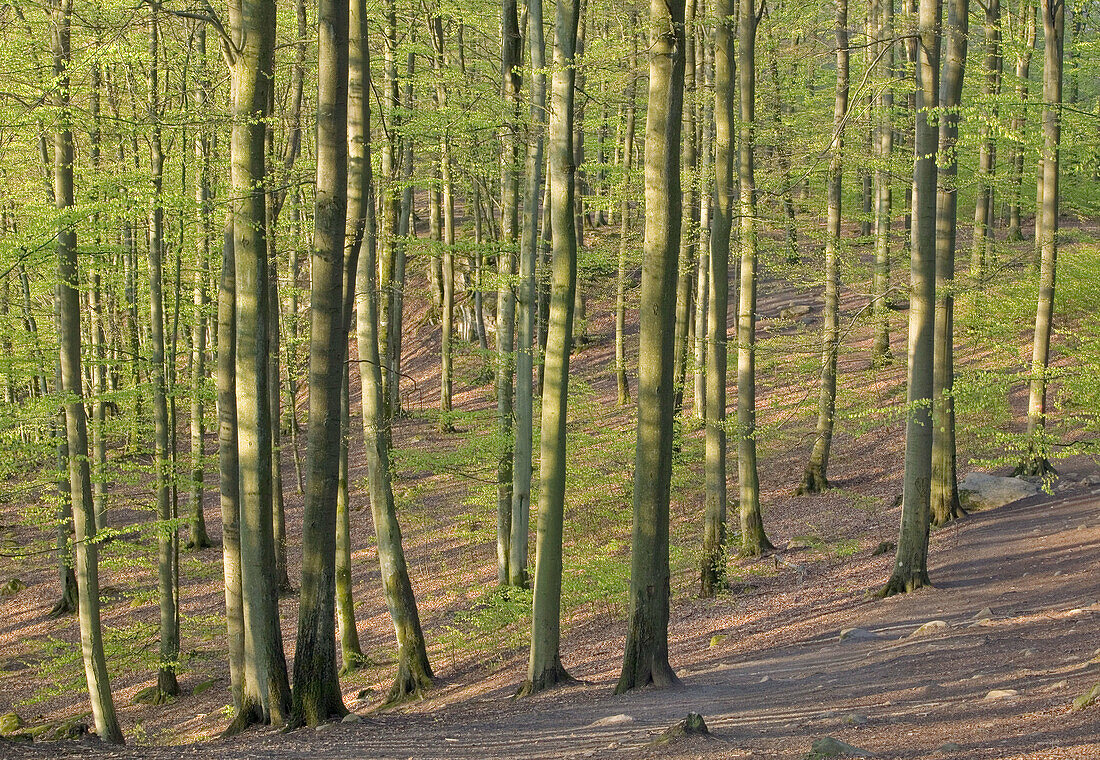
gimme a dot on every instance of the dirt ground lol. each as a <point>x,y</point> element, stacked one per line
<point>762,664</point>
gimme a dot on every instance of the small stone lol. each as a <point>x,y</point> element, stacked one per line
<point>985,614</point>
<point>949,747</point>
<point>857,634</point>
<point>10,722</point>
<point>765,679</point>
<point>830,747</point>
<point>1057,686</point>
<point>613,720</point>
<point>856,719</point>
<point>1089,698</point>
<point>1001,694</point>
<point>322,727</point>
<point>932,626</point>
<point>12,587</point>
<point>1091,480</point>
<point>718,638</point>
<point>352,718</point>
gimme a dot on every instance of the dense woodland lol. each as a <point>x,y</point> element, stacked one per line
<point>218,226</point>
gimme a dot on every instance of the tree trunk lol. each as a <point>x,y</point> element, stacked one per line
<point>266,692</point>
<point>1036,461</point>
<point>76,425</point>
<point>544,668</point>
<point>621,381</point>
<point>689,209</point>
<point>883,15</point>
<point>911,563</point>
<point>351,654</point>
<point>317,696</point>
<point>414,673</point>
<point>645,659</point>
<point>753,539</point>
<point>199,539</point>
<point>983,204</point>
<point>944,500</point>
<point>525,303</point>
<point>167,534</point>
<point>1016,161</point>
<point>229,468</point>
<point>815,478</point>
<point>713,564</point>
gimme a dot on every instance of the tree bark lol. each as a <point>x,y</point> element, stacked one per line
<point>622,383</point>
<point>883,15</point>
<point>815,478</point>
<point>991,91</point>
<point>645,659</point>
<point>753,539</point>
<point>1019,121</point>
<point>911,562</point>
<point>1036,461</point>
<point>544,667</point>
<point>76,424</point>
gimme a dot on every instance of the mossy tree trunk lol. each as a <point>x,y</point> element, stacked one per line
<point>645,659</point>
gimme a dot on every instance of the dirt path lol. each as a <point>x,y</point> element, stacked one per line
<point>1031,563</point>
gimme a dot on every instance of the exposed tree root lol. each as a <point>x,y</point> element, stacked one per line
<point>903,585</point>
<point>555,675</point>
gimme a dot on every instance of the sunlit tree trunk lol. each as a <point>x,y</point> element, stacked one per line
<point>645,658</point>
<point>621,381</point>
<point>911,562</point>
<point>991,91</point>
<point>1019,121</point>
<point>944,503</point>
<point>713,564</point>
<point>525,303</point>
<point>1053,13</point>
<point>753,539</point>
<point>815,478</point>
<point>883,16</point>
<point>544,668</point>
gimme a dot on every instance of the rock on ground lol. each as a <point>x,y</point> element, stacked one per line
<point>979,490</point>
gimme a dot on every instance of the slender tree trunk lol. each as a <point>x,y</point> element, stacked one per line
<point>229,469</point>
<point>689,209</point>
<point>645,659</point>
<point>713,564</point>
<point>351,654</point>
<point>753,539</point>
<point>199,539</point>
<point>944,501</point>
<point>544,667</point>
<point>414,673</point>
<point>815,478</point>
<point>1019,121</point>
<point>580,320</point>
<point>911,563</point>
<point>525,303</point>
<point>991,91</point>
<point>76,426</point>
<point>1035,460</point>
<point>883,16</point>
<point>621,381</point>
<point>506,267</point>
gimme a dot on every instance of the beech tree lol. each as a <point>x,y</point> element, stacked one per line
<point>645,659</point>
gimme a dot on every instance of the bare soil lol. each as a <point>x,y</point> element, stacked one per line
<point>763,663</point>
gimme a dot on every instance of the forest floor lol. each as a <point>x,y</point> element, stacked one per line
<point>763,663</point>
